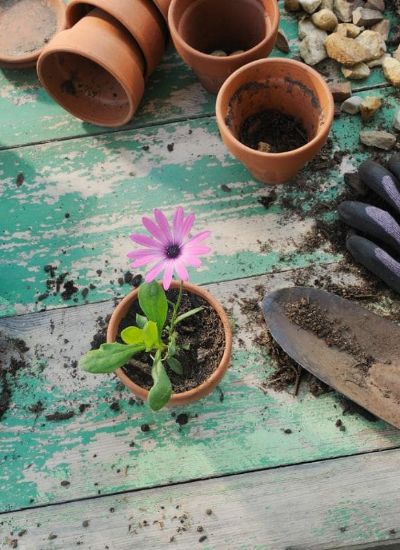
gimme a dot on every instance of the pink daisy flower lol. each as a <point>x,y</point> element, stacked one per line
<point>169,248</point>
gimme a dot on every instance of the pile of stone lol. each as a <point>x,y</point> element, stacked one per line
<point>354,34</point>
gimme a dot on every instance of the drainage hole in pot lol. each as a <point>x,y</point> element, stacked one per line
<point>272,131</point>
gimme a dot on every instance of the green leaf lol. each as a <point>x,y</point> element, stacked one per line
<point>108,358</point>
<point>141,320</point>
<point>175,365</point>
<point>132,335</point>
<point>188,314</point>
<point>161,391</point>
<point>151,336</point>
<point>172,344</point>
<point>153,301</point>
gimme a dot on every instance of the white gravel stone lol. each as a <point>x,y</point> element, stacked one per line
<point>396,120</point>
<point>378,138</point>
<point>312,48</point>
<point>310,6</point>
<point>352,105</point>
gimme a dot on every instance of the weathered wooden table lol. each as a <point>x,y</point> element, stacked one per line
<point>248,467</point>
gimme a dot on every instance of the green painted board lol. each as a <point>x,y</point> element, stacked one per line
<point>319,506</point>
<point>29,115</point>
<point>81,199</point>
<point>102,449</point>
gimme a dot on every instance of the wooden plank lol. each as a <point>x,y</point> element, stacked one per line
<point>172,93</point>
<point>80,199</point>
<point>102,449</point>
<point>29,115</point>
<point>319,506</point>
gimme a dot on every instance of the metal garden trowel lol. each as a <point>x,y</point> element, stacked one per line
<point>354,351</point>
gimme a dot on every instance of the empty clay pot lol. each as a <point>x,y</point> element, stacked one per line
<point>288,86</point>
<point>140,17</point>
<point>200,27</point>
<point>163,6</point>
<point>206,387</point>
<point>26,26</point>
<point>94,70</point>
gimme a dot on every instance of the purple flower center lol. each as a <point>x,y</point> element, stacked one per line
<point>173,251</point>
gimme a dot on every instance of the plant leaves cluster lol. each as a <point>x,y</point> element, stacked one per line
<point>150,335</point>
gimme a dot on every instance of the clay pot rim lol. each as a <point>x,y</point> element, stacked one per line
<point>328,114</point>
<point>156,16</point>
<point>77,50</point>
<point>224,60</point>
<point>26,61</point>
<point>199,391</point>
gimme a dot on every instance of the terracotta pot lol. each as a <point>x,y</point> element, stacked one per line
<point>163,6</point>
<point>140,17</point>
<point>25,27</point>
<point>94,70</point>
<point>287,86</point>
<point>196,393</point>
<point>199,27</point>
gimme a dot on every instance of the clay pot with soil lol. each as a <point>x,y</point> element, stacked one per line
<point>274,115</point>
<point>26,26</point>
<point>94,70</point>
<point>217,37</point>
<point>207,337</point>
<point>141,18</point>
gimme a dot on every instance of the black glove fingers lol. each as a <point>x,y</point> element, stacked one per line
<point>372,221</point>
<point>375,259</point>
<point>380,180</point>
<point>394,165</point>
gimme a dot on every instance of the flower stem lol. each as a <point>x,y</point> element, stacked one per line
<point>176,306</point>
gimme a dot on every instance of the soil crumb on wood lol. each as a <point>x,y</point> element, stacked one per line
<point>12,360</point>
<point>271,131</point>
<point>201,341</point>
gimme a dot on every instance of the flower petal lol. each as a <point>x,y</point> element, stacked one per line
<point>177,225</point>
<point>135,254</point>
<point>181,270</point>
<point>139,262</point>
<point>163,224</point>
<point>198,238</point>
<point>187,225</point>
<point>191,260</point>
<point>152,274</point>
<point>145,241</point>
<point>169,270</point>
<point>154,230</point>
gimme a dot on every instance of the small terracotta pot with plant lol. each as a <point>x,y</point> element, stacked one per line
<point>216,37</point>
<point>274,115</point>
<point>169,343</point>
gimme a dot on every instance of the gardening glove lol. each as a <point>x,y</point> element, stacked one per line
<point>380,254</point>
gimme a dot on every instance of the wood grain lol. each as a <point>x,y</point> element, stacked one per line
<point>319,506</point>
<point>102,448</point>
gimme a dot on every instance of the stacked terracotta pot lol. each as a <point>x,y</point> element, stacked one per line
<point>96,69</point>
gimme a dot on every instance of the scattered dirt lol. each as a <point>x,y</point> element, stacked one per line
<point>19,180</point>
<point>271,131</point>
<point>182,419</point>
<point>309,316</point>
<point>59,416</point>
<point>12,360</point>
<point>202,334</point>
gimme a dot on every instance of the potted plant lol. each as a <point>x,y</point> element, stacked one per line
<point>274,115</point>
<point>169,343</point>
<point>217,37</point>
